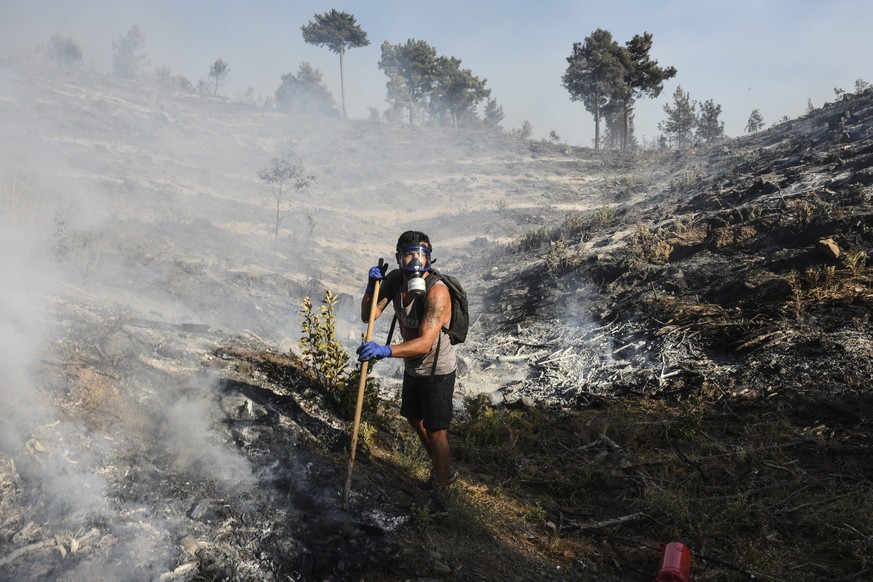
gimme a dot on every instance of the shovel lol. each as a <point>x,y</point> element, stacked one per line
<point>361,386</point>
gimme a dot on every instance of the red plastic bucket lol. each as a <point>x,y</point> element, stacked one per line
<point>675,563</point>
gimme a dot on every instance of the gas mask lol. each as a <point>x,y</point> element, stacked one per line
<point>415,261</point>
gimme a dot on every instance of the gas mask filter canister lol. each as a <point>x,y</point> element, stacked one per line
<point>415,261</point>
<point>416,285</point>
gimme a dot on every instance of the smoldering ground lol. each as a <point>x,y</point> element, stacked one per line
<point>155,425</point>
<point>141,240</point>
<point>137,238</point>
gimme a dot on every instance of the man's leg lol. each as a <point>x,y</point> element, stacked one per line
<point>418,427</point>
<point>439,451</point>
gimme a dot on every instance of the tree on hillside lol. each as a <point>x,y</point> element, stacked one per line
<point>642,77</point>
<point>411,71</point>
<point>709,129</point>
<point>593,74</point>
<point>755,123</point>
<point>305,93</point>
<point>396,96</point>
<point>127,57</point>
<point>285,175</point>
<point>219,74</point>
<point>165,78</point>
<point>525,132</point>
<point>681,119</point>
<point>338,31</point>
<point>64,51</point>
<point>493,115</point>
<point>456,92</point>
<point>616,126</point>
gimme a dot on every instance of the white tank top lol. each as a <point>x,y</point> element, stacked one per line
<point>409,318</point>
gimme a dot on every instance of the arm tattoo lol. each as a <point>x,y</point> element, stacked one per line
<point>435,310</point>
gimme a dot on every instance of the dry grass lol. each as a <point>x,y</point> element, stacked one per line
<point>594,494</point>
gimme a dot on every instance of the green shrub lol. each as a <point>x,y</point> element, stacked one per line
<point>320,347</point>
<point>329,361</point>
<point>856,261</point>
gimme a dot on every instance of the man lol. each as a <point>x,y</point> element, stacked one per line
<point>429,356</point>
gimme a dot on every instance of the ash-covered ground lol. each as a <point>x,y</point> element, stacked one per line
<point>157,422</point>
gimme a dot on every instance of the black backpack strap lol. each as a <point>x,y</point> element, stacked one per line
<point>436,355</point>
<point>391,330</point>
<point>392,281</point>
<point>431,281</point>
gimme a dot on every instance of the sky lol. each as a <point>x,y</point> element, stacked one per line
<point>775,56</point>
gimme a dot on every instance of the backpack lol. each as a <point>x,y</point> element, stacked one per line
<point>460,322</point>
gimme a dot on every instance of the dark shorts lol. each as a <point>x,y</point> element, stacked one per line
<point>428,398</point>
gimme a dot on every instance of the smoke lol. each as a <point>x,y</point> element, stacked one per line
<point>20,334</point>
<point>61,464</point>
<point>57,460</point>
<point>131,216</point>
<point>88,241</point>
<point>196,447</point>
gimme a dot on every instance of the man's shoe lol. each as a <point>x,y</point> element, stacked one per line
<point>428,485</point>
<point>435,505</point>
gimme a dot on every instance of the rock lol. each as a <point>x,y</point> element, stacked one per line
<point>829,248</point>
<point>198,509</point>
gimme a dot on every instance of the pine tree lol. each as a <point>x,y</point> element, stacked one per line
<point>755,123</point>
<point>338,31</point>
<point>709,128</point>
<point>305,93</point>
<point>642,77</point>
<point>127,59</point>
<point>594,74</point>
<point>65,51</point>
<point>681,119</point>
<point>493,115</point>
<point>456,91</point>
<point>412,71</point>
<point>219,73</point>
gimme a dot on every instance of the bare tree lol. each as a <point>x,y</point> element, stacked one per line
<point>285,175</point>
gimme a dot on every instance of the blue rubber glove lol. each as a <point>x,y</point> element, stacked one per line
<point>371,350</point>
<point>377,273</point>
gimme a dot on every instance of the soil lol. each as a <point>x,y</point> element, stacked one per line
<point>666,346</point>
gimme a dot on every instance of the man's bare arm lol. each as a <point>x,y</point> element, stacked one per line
<point>437,313</point>
<point>367,300</point>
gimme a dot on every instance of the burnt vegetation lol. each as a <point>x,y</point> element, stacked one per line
<point>684,355</point>
<point>738,422</point>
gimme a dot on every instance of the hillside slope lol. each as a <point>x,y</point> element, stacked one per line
<point>662,347</point>
<point>746,272</point>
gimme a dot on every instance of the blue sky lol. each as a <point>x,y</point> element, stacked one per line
<point>771,55</point>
